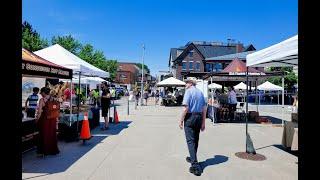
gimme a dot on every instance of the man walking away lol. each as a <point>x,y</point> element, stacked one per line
<point>193,119</point>
<point>232,100</point>
<point>33,103</point>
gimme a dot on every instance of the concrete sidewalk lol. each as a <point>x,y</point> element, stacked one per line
<point>148,144</point>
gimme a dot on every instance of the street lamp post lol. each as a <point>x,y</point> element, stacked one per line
<point>143,47</point>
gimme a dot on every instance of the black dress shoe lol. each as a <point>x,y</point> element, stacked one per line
<point>195,171</point>
<point>188,159</point>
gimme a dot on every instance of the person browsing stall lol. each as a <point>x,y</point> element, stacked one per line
<point>105,104</point>
<point>33,103</point>
<point>193,120</point>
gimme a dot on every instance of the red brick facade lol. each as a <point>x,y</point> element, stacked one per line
<point>127,73</point>
<point>195,59</point>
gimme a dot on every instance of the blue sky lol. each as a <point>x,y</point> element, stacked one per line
<point>119,28</point>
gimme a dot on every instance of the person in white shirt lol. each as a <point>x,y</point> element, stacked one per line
<point>232,101</point>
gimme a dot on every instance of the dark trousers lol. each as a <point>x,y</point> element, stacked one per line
<point>232,109</point>
<point>31,112</point>
<point>192,126</point>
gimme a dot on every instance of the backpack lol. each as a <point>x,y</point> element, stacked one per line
<point>52,109</point>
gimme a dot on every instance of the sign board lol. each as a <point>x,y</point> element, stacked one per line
<point>203,86</point>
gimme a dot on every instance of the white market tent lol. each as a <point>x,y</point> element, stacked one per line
<point>214,86</point>
<point>283,54</point>
<point>171,82</point>
<point>63,57</point>
<point>240,86</point>
<point>268,86</point>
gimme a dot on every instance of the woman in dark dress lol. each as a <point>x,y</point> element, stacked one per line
<point>105,105</point>
<point>46,121</point>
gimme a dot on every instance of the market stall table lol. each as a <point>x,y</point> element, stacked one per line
<point>290,135</point>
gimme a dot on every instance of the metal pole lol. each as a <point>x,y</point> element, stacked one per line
<point>257,96</point>
<point>70,117</point>
<point>128,107</point>
<point>212,99</point>
<point>78,97</point>
<point>143,47</point>
<point>247,108</point>
<point>282,100</point>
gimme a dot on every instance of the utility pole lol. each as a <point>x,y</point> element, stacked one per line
<point>143,47</point>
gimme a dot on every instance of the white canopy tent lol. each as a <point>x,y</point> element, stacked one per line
<point>268,86</point>
<point>171,82</point>
<point>63,57</point>
<point>283,54</point>
<point>214,86</point>
<point>240,86</point>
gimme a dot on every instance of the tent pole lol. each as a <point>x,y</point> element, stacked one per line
<point>278,98</point>
<point>282,100</point>
<point>78,104</point>
<point>212,99</point>
<point>247,109</point>
<point>70,102</point>
<point>257,95</point>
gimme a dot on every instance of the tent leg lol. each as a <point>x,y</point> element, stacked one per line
<point>249,144</point>
<point>282,100</point>
<point>256,84</point>
<point>78,104</point>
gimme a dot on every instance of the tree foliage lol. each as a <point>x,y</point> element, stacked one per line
<point>290,78</point>
<point>145,67</point>
<point>68,42</point>
<point>31,39</point>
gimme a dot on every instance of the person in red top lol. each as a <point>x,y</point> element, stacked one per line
<point>47,142</point>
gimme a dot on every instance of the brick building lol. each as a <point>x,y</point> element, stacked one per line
<point>195,57</point>
<point>127,74</point>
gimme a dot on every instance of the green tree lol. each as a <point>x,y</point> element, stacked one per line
<point>68,42</point>
<point>97,59</point>
<point>31,39</point>
<point>145,67</point>
<point>86,53</point>
<point>111,67</point>
<point>290,77</point>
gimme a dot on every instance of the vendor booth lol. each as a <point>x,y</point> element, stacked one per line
<point>283,54</point>
<point>35,66</point>
<point>70,122</point>
<point>173,95</point>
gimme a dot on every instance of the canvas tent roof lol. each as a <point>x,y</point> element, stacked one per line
<point>171,82</point>
<point>63,57</point>
<point>238,66</point>
<point>35,65</point>
<point>214,86</point>
<point>284,53</point>
<point>268,86</point>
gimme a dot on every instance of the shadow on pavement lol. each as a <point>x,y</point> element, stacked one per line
<point>70,152</point>
<point>279,146</point>
<point>213,161</point>
<point>114,129</point>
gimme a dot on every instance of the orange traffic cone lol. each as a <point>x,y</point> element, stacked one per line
<point>85,130</point>
<point>116,118</point>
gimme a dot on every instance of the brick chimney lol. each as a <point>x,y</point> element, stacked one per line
<point>239,47</point>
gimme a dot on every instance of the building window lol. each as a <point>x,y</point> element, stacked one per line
<point>209,68</point>
<point>190,54</point>
<point>218,67</point>
<point>198,66</point>
<point>190,65</point>
<point>184,65</point>
<point>123,77</point>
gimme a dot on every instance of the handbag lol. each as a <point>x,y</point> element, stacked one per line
<point>52,109</point>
